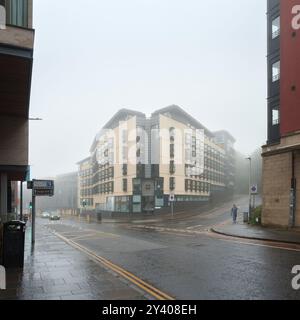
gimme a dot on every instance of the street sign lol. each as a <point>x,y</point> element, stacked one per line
<point>43,184</point>
<point>43,192</point>
<point>42,188</point>
<point>254,189</point>
<point>172,198</point>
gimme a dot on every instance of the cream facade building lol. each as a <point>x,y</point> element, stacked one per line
<point>136,163</point>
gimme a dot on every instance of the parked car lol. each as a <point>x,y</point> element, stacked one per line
<point>45,215</point>
<point>54,216</point>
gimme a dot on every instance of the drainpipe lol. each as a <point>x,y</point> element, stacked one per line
<point>293,194</point>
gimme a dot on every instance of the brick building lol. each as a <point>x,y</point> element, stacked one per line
<point>281,154</point>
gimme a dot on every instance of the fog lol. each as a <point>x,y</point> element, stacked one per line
<point>94,57</point>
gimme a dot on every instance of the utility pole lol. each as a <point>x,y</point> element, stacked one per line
<point>33,218</point>
<point>250,173</point>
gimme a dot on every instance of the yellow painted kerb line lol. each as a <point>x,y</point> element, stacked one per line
<point>156,293</point>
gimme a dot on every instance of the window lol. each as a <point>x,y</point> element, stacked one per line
<point>172,134</point>
<point>276,28</point>
<point>172,151</point>
<point>172,167</point>
<point>125,185</point>
<point>125,169</point>
<point>172,183</point>
<point>17,13</point>
<point>275,116</point>
<point>276,71</point>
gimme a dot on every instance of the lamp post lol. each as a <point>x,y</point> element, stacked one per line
<point>250,173</point>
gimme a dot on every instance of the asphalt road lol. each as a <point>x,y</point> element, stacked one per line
<point>184,260</point>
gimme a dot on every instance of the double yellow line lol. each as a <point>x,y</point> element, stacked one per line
<point>154,292</point>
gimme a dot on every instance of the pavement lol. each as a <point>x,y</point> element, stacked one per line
<point>246,231</point>
<point>53,270</point>
<point>179,258</point>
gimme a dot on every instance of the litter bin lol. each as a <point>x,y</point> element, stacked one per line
<point>246,217</point>
<point>13,244</point>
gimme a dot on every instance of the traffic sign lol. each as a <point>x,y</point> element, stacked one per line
<point>254,189</point>
<point>172,198</point>
<point>43,184</point>
<point>43,192</point>
<point>42,188</point>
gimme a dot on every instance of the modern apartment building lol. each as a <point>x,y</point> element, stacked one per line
<point>136,162</point>
<point>227,141</point>
<point>16,56</point>
<point>281,154</point>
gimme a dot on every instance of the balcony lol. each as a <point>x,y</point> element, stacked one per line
<point>17,29</point>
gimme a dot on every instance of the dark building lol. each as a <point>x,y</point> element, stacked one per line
<point>16,58</point>
<point>281,157</point>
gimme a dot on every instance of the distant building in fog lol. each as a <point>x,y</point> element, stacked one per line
<point>227,141</point>
<point>65,195</point>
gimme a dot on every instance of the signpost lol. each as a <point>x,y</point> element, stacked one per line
<point>40,188</point>
<point>172,200</point>
<point>254,192</point>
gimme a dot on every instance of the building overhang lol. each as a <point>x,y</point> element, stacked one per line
<point>16,173</point>
<point>15,81</point>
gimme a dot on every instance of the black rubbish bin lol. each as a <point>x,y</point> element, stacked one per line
<point>246,217</point>
<point>13,244</point>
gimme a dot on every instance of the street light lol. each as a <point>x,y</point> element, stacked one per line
<point>250,172</point>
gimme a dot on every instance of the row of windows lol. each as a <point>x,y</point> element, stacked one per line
<point>214,165</point>
<point>85,173</point>
<point>197,186</point>
<point>86,182</point>
<point>208,175</point>
<point>103,175</point>
<point>86,202</point>
<point>107,187</point>
<point>86,192</point>
<point>212,153</point>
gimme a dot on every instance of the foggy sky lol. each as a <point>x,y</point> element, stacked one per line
<point>94,57</point>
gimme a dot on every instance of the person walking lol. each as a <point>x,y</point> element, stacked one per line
<point>234,213</point>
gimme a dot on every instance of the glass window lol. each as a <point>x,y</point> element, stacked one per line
<point>276,71</point>
<point>276,28</point>
<point>275,116</point>
<point>18,13</point>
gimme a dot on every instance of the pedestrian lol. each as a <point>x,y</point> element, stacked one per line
<point>234,213</point>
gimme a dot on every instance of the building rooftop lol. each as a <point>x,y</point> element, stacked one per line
<point>180,115</point>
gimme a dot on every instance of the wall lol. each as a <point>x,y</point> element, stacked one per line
<point>277,173</point>
<point>290,70</point>
<point>14,141</point>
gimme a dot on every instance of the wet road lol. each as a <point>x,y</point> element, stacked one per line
<point>185,261</point>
